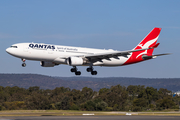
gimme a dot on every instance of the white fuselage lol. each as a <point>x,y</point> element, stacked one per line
<point>59,54</point>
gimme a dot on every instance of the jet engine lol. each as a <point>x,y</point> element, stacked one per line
<point>75,61</point>
<point>47,64</point>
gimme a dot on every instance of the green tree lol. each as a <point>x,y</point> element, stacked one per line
<point>37,101</point>
<point>162,93</point>
<point>116,95</point>
<point>141,102</point>
<point>165,103</point>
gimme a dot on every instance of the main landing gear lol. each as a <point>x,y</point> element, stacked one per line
<point>74,69</point>
<point>23,64</point>
<point>90,69</point>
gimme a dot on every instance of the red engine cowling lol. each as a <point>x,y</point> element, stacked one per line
<point>47,64</point>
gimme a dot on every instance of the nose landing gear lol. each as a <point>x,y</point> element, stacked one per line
<point>23,64</point>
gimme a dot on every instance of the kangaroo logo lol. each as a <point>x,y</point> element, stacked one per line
<point>146,45</point>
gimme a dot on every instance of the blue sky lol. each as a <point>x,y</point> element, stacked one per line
<point>109,24</point>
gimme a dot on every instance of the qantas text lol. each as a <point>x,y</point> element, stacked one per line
<point>41,46</point>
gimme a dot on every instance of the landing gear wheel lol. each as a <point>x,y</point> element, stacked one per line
<point>73,70</point>
<point>24,65</point>
<point>78,73</point>
<point>89,69</point>
<point>94,73</point>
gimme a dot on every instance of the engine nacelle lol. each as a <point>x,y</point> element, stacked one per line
<point>47,64</point>
<point>75,61</point>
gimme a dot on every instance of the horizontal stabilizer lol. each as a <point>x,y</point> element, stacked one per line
<point>156,45</point>
<point>145,57</point>
<point>162,54</point>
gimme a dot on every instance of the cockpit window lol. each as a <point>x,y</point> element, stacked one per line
<point>13,46</point>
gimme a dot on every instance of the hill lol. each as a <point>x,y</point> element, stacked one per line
<point>48,82</point>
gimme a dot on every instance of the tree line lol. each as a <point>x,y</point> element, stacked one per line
<point>115,98</point>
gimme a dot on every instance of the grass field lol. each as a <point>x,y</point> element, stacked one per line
<point>71,113</point>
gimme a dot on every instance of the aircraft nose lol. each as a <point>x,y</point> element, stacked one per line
<point>8,50</point>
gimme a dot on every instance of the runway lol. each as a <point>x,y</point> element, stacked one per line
<point>92,118</point>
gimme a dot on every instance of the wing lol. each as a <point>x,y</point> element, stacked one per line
<point>114,54</point>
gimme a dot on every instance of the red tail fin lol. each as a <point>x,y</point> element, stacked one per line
<point>148,42</point>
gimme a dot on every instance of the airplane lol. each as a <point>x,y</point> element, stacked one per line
<point>51,55</point>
